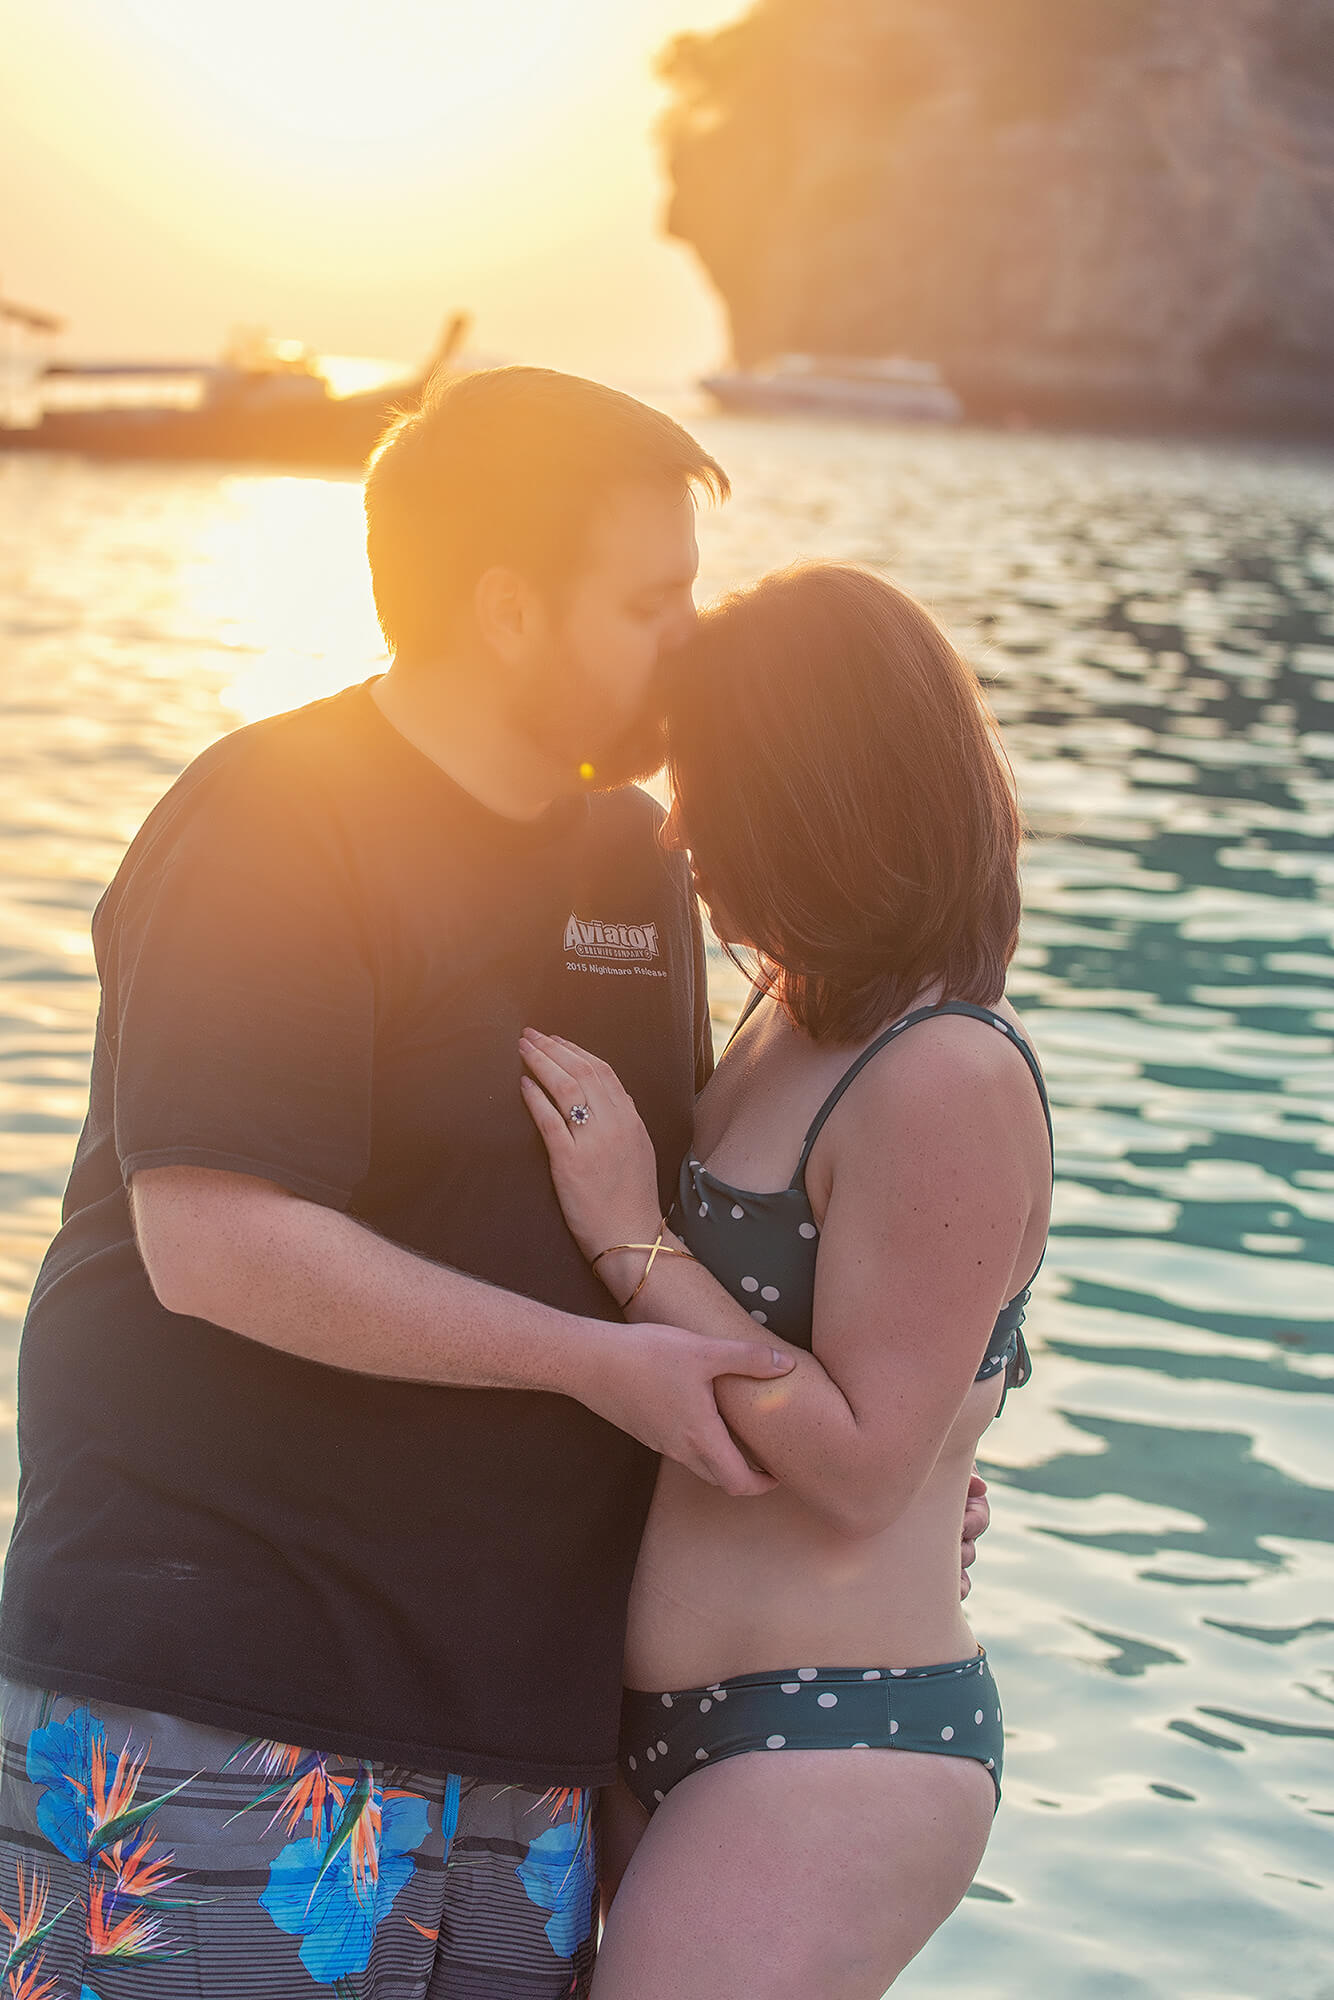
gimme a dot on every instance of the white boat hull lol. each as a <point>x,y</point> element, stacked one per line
<point>896,402</point>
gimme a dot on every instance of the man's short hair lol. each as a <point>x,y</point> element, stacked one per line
<point>504,466</point>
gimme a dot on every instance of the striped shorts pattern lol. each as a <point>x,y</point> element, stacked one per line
<point>147,1858</point>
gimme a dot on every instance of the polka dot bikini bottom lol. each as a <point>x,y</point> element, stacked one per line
<point>952,1710</point>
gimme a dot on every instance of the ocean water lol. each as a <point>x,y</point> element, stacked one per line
<point>1157,623</point>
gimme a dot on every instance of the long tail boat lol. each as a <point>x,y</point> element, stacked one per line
<point>270,404</point>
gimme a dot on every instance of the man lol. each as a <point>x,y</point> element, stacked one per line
<point>335,1455</point>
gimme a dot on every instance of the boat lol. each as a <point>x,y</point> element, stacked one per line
<point>892,388</point>
<point>266,401</point>
<point>29,319</point>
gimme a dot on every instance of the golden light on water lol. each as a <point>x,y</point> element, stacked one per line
<point>280,575</point>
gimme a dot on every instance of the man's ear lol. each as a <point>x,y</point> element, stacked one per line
<point>505,607</point>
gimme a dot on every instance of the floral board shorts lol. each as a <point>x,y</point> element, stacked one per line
<point>147,1858</point>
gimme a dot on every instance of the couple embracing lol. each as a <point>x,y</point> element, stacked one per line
<point>476,1455</point>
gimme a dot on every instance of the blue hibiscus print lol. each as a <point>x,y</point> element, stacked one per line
<point>88,1792</point>
<point>333,1894</point>
<point>558,1875</point>
<point>60,1758</point>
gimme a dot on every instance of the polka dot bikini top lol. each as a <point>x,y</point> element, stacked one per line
<point>762,1247</point>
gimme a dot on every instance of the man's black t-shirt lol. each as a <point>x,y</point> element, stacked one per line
<point>316,960</point>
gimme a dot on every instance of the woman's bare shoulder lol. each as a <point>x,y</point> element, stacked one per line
<point>953,1075</point>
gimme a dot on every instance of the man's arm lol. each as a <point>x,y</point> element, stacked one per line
<point>240,1005</point>
<point>250,1256</point>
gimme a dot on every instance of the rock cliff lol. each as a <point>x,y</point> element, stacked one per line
<point>1116,210</point>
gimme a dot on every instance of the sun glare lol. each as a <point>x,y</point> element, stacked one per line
<point>346,172</point>
<point>280,575</point>
<point>319,84</point>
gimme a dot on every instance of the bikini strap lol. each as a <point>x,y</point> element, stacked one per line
<point>757,993</point>
<point>890,1034</point>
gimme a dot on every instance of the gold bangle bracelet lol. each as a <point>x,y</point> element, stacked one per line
<point>663,1249</point>
<point>612,1248</point>
<point>652,1260</point>
<point>655,1250</point>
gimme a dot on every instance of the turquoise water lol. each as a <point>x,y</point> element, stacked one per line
<point>1157,1592</point>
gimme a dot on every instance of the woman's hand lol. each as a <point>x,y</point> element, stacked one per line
<point>604,1171</point>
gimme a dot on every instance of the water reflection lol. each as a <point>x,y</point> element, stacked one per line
<point>1234,1502</point>
<point>1158,627</point>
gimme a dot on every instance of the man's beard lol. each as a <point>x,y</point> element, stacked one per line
<point>638,753</point>
<point>558,713</point>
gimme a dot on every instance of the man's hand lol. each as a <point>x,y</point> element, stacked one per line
<point>976,1521</point>
<point>656,1382</point>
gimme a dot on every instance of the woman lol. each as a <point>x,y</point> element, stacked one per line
<point>870,1182</point>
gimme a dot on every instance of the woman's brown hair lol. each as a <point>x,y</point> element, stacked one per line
<point>843,790</point>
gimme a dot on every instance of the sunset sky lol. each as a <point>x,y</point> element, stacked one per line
<point>346,172</point>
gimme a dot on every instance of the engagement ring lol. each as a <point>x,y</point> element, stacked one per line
<point>580,1114</point>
